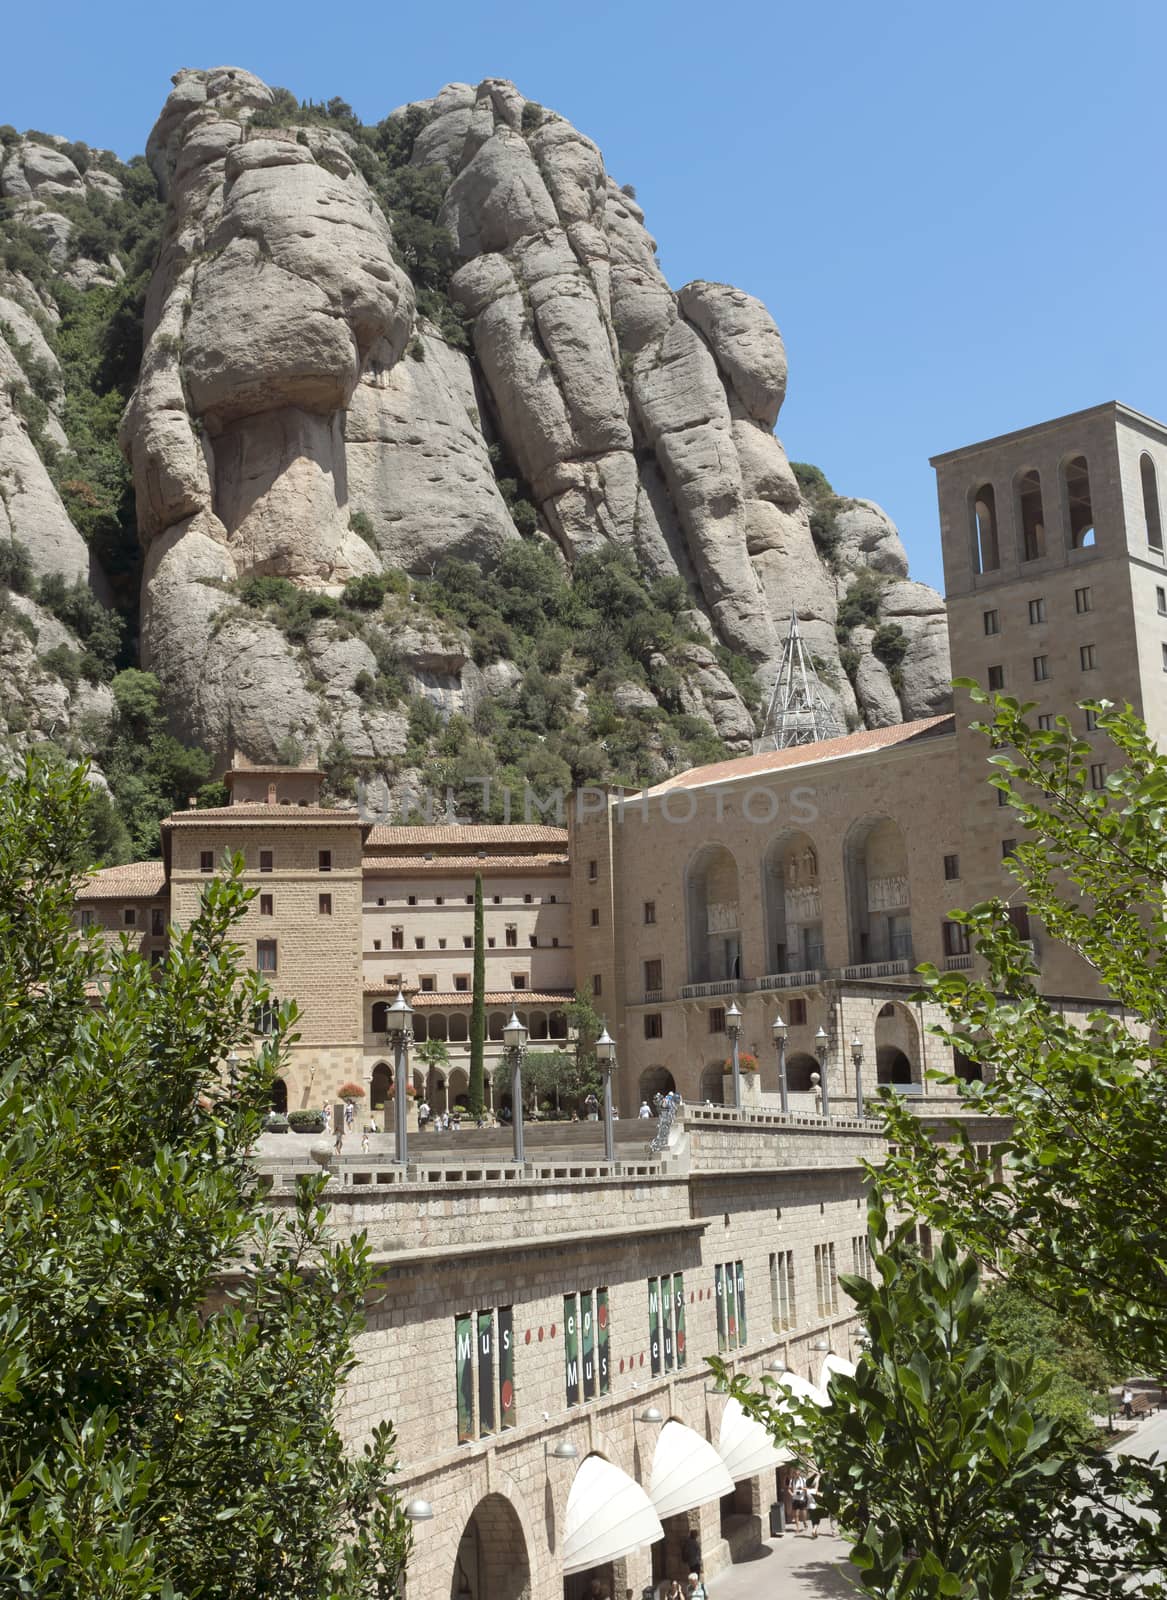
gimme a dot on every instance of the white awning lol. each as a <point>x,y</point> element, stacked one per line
<point>802,1388</point>
<point>608,1515</point>
<point>833,1363</point>
<point>686,1471</point>
<point>745,1446</point>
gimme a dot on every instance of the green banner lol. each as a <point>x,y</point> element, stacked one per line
<point>571,1348</point>
<point>666,1318</point>
<point>654,1326</point>
<point>485,1373</point>
<point>679,1318</point>
<point>719,1292</point>
<point>740,1274</point>
<point>602,1338</point>
<point>588,1330</point>
<point>506,1368</point>
<point>464,1354</point>
<point>728,1290</point>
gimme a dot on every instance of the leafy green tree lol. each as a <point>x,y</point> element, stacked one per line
<point>478,1008</point>
<point>172,1349</point>
<point>935,1459</point>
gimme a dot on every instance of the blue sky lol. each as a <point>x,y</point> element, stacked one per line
<point>954,212</point>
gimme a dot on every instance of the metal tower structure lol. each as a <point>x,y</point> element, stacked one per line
<point>799,710</point>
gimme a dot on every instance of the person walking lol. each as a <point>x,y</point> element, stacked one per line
<point>1128,1402</point>
<point>691,1552</point>
<point>694,1588</point>
<point>798,1499</point>
<point>644,1111</point>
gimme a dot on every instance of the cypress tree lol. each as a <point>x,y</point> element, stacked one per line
<point>478,1008</point>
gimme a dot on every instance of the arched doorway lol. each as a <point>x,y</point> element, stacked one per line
<point>458,1089</point>
<point>799,1067</point>
<point>654,1081</point>
<point>380,1087</point>
<point>897,1049</point>
<point>713,1084</point>
<point>878,894</point>
<point>713,916</point>
<point>279,1096</point>
<point>492,1561</point>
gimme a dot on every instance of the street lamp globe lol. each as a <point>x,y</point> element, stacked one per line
<point>514,1034</point>
<point>778,1029</point>
<point>399,1016</point>
<point>733,1019</point>
<point>605,1046</point>
<point>856,1049</point>
<point>820,1043</point>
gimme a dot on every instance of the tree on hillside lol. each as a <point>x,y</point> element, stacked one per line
<point>477,1094</point>
<point>172,1351</point>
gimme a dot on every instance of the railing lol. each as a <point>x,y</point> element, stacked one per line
<point>790,980</point>
<point>877,969</point>
<point>653,997</point>
<point>960,963</point>
<point>702,991</point>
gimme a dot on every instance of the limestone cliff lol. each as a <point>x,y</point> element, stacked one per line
<point>390,354</point>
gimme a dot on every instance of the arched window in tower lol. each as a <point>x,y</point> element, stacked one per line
<point>986,544</point>
<point>1152,512</point>
<point>1079,506</point>
<point>1030,516</point>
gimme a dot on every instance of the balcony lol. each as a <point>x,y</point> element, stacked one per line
<point>653,997</point>
<point>705,991</point>
<point>961,963</point>
<point>897,968</point>
<point>791,980</point>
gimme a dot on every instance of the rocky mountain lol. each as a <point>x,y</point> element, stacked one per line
<point>423,463</point>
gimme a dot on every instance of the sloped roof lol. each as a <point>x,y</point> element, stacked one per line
<point>261,811</point>
<point>464,997</point>
<point>137,880</point>
<point>459,836</point>
<point>536,861</point>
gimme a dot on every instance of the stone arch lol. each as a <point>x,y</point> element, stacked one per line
<point>381,1086</point>
<point>1030,514</point>
<point>1079,503</point>
<point>983,532</point>
<point>1152,511</point>
<point>380,1018</point>
<point>799,1067</point>
<point>279,1096</point>
<point>712,1088</point>
<point>654,1081</point>
<point>493,1557</point>
<point>420,1026</point>
<point>712,915</point>
<point>792,897</point>
<point>458,1088</point>
<point>437,1027</point>
<point>965,1068</point>
<point>879,906</point>
<point>557,1025</point>
<point>495,1024</point>
<point>459,1027</point>
<point>897,1048</point>
<point>539,1025</point>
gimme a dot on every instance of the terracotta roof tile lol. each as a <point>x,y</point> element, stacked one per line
<point>463,997</point>
<point>260,811</point>
<point>536,861</point>
<point>137,880</point>
<point>801,755</point>
<point>468,835</point>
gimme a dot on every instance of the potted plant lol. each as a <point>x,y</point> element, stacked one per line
<point>275,1122</point>
<point>306,1121</point>
<point>350,1091</point>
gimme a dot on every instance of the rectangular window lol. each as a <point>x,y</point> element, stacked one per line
<point>265,955</point>
<point>955,939</point>
<point>490,941</point>
<point>826,1280</point>
<point>467,941</point>
<point>992,622</point>
<point>484,1360</point>
<point>1002,798</point>
<point>376,944</point>
<point>87,920</point>
<point>653,1025</point>
<point>324,860</point>
<point>1098,775</point>
<point>652,975</point>
<point>265,861</point>
<point>533,940</point>
<point>796,1014</point>
<point>411,899</point>
<point>267,905</point>
<point>1092,716</point>
<point>597,985</point>
<point>593,871</point>
<point>1088,657</point>
<point>1082,600</point>
<point>129,917</point>
<point>1037,610</point>
<point>512,936</point>
<point>1046,721</point>
<point>666,1323</point>
<point>441,944</point>
<point>526,899</point>
<point>419,941</point>
<point>518,980</point>
<point>650,912</point>
<point>717,1019</point>
<point>1040,669</point>
<point>469,899</point>
<point>595,917</point>
<point>325,902</point>
<point>860,1255</point>
<point>1018,917</point>
<point>729,1287</point>
<point>428,983</point>
<point>496,900</point>
<point>1008,848</point>
<point>1161,601</point>
<point>587,1364</point>
<point>461,982</point>
<point>782,1290</point>
<point>1163,647</point>
<point>951,868</point>
<point>206,861</point>
<point>397,938</point>
<point>996,677</point>
<point>157,921</point>
<point>554,942</point>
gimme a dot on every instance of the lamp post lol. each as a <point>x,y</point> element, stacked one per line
<point>779,1032</point>
<point>820,1050</point>
<point>397,1025</point>
<point>515,1039</point>
<point>733,1026</point>
<point>606,1056</point>
<point>857,1063</point>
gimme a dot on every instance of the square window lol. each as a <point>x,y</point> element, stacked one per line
<point>951,868</point>
<point>376,944</point>
<point>1046,721</point>
<point>428,983</point>
<point>550,899</point>
<point>1037,610</point>
<point>265,861</point>
<point>653,1025</point>
<point>267,903</point>
<point>992,622</point>
<point>325,905</point>
<point>1040,669</point>
<point>1088,657</point>
<point>206,861</point>
<point>996,677</point>
<point>381,900</point>
<point>1161,601</point>
<point>129,917</point>
<point>265,955</point>
<point>595,917</point>
<point>461,982</point>
<point>324,860</point>
<point>490,942</point>
<point>526,899</point>
<point>796,1014</point>
<point>597,984</point>
<point>650,912</point>
<point>1082,600</point>
<point>518,980</point>
<point>1098,775</point>
<point>717,1019</point>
